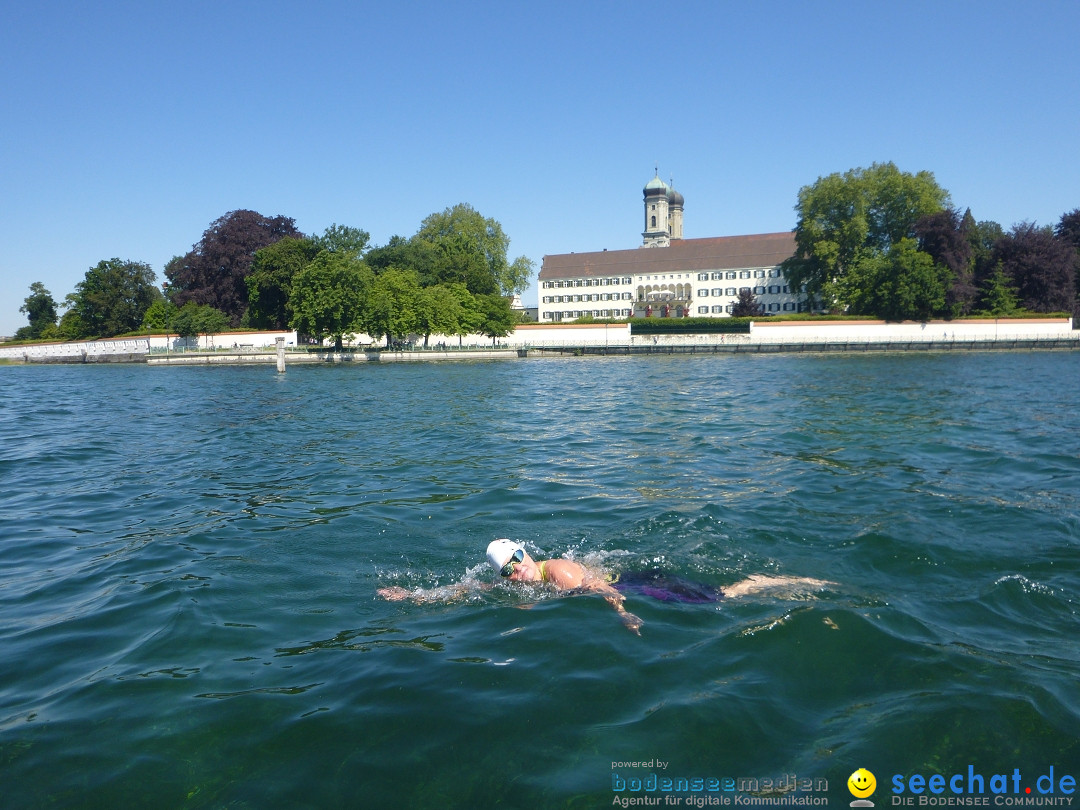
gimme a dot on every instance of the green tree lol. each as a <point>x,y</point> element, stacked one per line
<point>72,326</point>
<point>515,279</point>
<point>470,248</point>
<point>497,319</point>
<point>393,306</point>
<point>343,239</point>
<point>159,316</point>
<point>440,311</point>
<point>984,236</point>
<point>904,284</point>
<point>110,300</point>
<point>40,310</point>
<point>471,317</point>
<point>270,281</point>
<point>406,254</point>
<point>328,296</point>
<point>999,296</point>
<point>194,319</point>
<point>848,219</point>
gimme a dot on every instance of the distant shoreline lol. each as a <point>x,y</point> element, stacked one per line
<point>599,339</point>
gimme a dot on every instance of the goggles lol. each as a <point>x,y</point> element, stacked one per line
<point>515,558</point>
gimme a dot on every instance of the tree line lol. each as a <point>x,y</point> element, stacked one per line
<point>874,241</point>
<point>887,243</point>
<point>251,271</point>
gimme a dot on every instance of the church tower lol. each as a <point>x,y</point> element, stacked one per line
<point>656,233</point>
<point>675,206</point>
<point>663,214</point>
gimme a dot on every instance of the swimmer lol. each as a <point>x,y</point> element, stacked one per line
<point>515,565</point>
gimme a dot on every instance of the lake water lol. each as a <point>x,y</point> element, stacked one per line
<point>189,561</point>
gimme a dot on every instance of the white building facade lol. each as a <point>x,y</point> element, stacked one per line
<point>668,277</point>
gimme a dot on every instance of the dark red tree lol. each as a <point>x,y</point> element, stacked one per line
<point>946,237</point>
<point>1068,228</point>
<point>747,305</point>
<point>213,272</point>
<point>1042,267</point>
<point>1068,231</point>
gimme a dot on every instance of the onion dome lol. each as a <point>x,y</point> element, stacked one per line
<point>655,187</point>
<point>675,199</point>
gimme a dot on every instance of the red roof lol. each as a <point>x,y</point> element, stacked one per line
<point>717,253</point>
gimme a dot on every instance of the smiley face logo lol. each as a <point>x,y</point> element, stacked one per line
<point>861,783</point>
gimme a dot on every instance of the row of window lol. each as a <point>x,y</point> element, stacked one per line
<point>566,299</point>
<point>716,309</point>
<point>586,282</point>
<point>733,274</point>
<point>596,313</point>
<point>718,275</point>
<point>716,292</point>
<point>772,289</point>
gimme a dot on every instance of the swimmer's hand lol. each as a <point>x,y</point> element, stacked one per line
<point>630,622</point>
<point>394,594</point>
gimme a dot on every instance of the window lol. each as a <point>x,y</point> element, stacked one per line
<point>702,276</point>
<point>627,281</point>
<point>731,274</point>
<point>730,308</point>
<point>789,307</point>
<point>774,307</point>
<point>703,293</point>
<point>743,290</point>
<point>759,274</point>
<point>732,291</point>
<point>744,274</point>
<point>654,220</point>
<point>717,276</point>
<point>718,310</point>
<point>759,290</point>
<point>702,310</point>
<point>787,289</point>
<point>717,291</point>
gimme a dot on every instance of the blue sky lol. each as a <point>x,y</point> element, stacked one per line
<point>127,128</point>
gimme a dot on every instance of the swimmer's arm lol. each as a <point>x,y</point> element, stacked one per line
<point>445,593</point>
<point>616,600</point>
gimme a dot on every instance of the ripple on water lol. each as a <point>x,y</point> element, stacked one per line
<point>189,559</point>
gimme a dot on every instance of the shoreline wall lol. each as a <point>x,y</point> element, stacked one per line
<point>538,339</point>
<point>136,349</point>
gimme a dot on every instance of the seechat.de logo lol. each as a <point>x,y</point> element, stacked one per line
<point>862,785</point>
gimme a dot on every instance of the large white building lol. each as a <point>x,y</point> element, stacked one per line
<point>668,276</point>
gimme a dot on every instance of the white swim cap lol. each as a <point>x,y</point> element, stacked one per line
<point>500,551</point>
